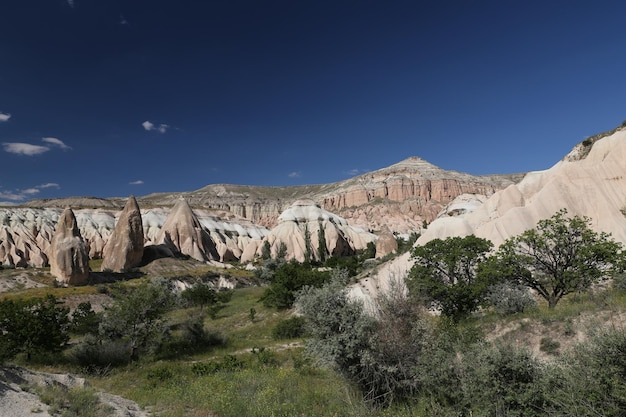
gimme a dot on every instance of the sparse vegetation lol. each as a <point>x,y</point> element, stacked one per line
<point>510,356</point>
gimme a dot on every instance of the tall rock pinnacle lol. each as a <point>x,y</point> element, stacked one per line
<point>125,248</point>
<point>69,260</point>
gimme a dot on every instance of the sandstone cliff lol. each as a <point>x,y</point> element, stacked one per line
<point>589,181</point>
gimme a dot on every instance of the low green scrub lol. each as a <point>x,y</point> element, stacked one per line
<point>72,402</point>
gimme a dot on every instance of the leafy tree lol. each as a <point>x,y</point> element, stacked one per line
<point>287,280</point>
<point>84,319</point>
<point>282,251</point>
<point>369,252</point>
<point>321,250</point>
<point>32,326</point>
<point>137,317</point>
<point>200,294</point>
<point>560,256</point>
<point>445,273</point>
<point>266,251</point>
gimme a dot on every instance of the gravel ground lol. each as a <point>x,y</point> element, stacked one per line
<point>16,400</point>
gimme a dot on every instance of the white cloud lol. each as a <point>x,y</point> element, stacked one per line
<point>354,172</point>
<point>7,195</point>
<point>295,174</point>
<point>138,182</point>
<point>148,125</point>
<point>4,117</point>
<point>56,142</point>
<point>70,3</point>
<point>20,195</point>
<point>49,185</point>
<point>24,148</point>
<point>123,20</point>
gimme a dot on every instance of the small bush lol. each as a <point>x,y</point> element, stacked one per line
<point>264,357</point>
<point>549,346</point>
<point>73,402</point>
<point>229,363</point>
<point>94,355</point>
<point>507,298</point>
<point>160,374</point>
<point>290,328</point>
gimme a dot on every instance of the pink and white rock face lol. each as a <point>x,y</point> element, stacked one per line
<point>69,260</point>
<point>590,181</point>
<point>124,249</point>
<point>305,215</point>
<point>592,186</point>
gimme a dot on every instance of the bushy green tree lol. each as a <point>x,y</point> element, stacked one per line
<point>200,294</point>
<point>266,250</point>
<point>137,317</point>
<point>560,256</point>
<point>445,273</point>
<point>84,319</point>
<point>32,326</point>
<point>289,278</point>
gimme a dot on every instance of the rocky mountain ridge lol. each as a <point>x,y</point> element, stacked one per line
<point>589,181</point>
<point>235,221</point>
<point>401,197</point>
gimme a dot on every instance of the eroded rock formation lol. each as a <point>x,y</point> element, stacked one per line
<point>305,217</point>
<point>183,233</point>
<point>69,260</point>
<point>124,249</point>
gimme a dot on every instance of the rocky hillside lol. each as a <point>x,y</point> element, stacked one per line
<point>400,197</point>
<point>589,181</point>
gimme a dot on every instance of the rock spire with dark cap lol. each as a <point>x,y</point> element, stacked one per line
<point>124,249</point>
<point>69,260</point>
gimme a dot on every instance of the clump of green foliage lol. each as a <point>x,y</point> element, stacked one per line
<point>290,328</point>
<point>289,278</point>
<point>32,327</point>
<point>445,274</point>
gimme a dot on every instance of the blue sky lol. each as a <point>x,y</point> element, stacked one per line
<point>117,97</point>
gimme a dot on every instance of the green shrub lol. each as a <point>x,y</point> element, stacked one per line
<point>501,381</point>
<point>290,328</point>
<point>84,319</point>
<point>287,280</point>
<point>590,380</point>
<point>229,363</point>
<point>264,357</point>
<point>509,298</point>
<point>549,346</point>
<point>94,355</point>
<point>160,374</point>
